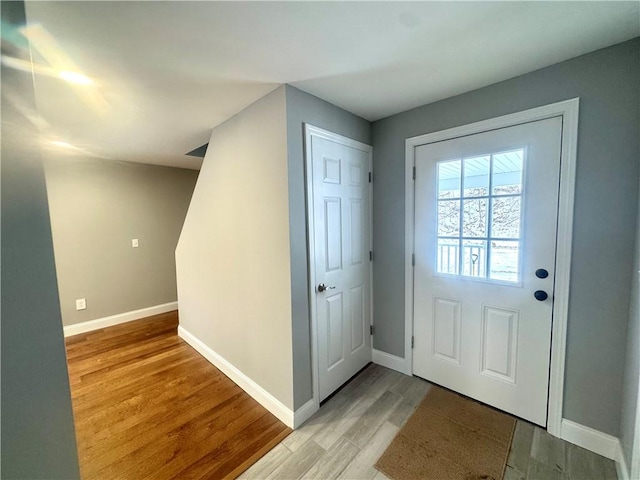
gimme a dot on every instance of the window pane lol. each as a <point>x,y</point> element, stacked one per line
<point>507,172</point>
<point>448,257</point>
<point>474,258</point>
<point>474,220</point>
<point>505,217</point>
<point>505,261</point>
<point>448,218</point>
<point>476,176</point>
<point>449,179</point>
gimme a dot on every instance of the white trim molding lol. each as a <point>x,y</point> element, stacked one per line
<point>309,132</point>
<point>91,325</point>
<point>596,441</point>
<point>593,440</point>
<point>634,461</point>
<point>622,469</point>
<point>393,362</point>
<point>568,110</point>
<point>264,398</point>
<point>305,412</point>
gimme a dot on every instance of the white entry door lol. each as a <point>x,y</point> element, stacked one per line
<point>340,213</point>
<point>485,242</point>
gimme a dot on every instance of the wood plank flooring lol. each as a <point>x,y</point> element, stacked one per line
<point>345,438</point>
<point>148,406</point>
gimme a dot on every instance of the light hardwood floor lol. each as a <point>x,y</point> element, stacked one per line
<point>146,405</point>
<point>345,438</point>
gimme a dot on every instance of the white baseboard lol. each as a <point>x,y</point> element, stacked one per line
<point>393,362</point>
<point>586,437</point>
<point>305,412</point>
<point>264,398</point>
<point>99,323</point>
<point>598,442</point>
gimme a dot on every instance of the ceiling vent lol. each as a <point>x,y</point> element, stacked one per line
<point>199,152</point>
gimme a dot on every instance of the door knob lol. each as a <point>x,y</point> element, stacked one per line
<point>322,287</point>
<point>542,273</point>
<point>540,295</point>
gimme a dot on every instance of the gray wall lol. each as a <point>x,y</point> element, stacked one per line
<point>304,108</point>
<point>38,438</point>
<point>233,256</point>
<point>630,400</point>
<point>608,84</point>
<point>97,207</point>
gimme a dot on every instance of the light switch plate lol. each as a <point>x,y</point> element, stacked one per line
<point>81,304</point>
<point>134,242</point>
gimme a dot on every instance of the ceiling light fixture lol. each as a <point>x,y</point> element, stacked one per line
<point>75,77</point>
<point>59,143</point>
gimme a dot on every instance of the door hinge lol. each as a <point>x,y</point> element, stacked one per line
<point>414,173</point>
<point>413,259</point>
<point>413,341</point>
<point>370,177</point>
<point>371,255</point>
<point>371,329</point>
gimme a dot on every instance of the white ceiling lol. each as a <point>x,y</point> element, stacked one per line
<point>166,73</point>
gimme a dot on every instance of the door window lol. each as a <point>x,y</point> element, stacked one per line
<point>479,215</point>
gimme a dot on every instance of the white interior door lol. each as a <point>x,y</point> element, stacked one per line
<point>485,239</point>
<point>341,217</point>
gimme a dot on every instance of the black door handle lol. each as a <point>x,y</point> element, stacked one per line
<point>542,273</point>
<point>540,295</point>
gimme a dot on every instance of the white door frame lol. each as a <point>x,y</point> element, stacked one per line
<point>311,131</point>
<point>634,461</point>
<point>568,110</point>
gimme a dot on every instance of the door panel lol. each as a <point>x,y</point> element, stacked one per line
<point>358,323</point>
<point>333,233</point>
<point>342,240</point>
<point>356,230</point>
<point>334,323</point>
<point>485,220</point>
<point>446,330</point>
<point>499,342</point>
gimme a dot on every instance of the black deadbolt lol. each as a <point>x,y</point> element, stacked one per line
<point>540,295</point>
<point>542,273</point>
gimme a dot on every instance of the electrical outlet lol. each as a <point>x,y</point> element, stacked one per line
<point>134,242</point>
<point>81,304</point>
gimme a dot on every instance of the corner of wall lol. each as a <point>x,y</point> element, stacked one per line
<point>38,436</point>
<point>233,256</point>
<point>303,108</point>
<point>630,415</point>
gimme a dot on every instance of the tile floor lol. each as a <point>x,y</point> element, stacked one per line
<point>345,438</point>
